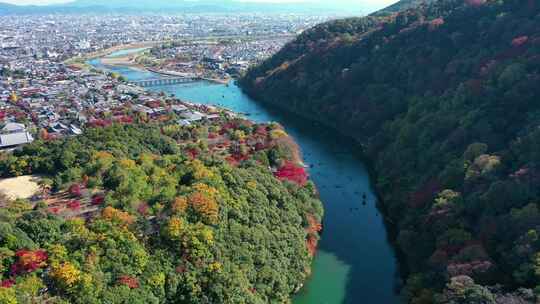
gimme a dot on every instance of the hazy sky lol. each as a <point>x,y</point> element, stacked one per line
<point>36,2</point>
<point>365,3</point>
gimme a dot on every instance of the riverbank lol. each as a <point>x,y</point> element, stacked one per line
<point>129,62</point>
<point>128,59</point>
<point>105,52</point>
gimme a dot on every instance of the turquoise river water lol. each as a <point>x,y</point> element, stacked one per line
<point>355,263</point>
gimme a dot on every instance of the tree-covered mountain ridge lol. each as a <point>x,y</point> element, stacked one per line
<point>445,100</point>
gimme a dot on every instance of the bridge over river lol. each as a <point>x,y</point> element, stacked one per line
<point>163,81</point>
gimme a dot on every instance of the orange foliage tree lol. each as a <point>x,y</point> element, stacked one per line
<point>314,227</point>
<point>117,216</point>
<point>204,203</point>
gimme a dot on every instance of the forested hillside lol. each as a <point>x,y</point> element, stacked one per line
<point>158,213</point>
<point>445,99</point>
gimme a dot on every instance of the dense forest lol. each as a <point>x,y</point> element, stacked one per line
<point>445,100</point>
<point>133,212</point>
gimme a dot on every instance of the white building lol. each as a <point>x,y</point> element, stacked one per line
<point>14,135</point>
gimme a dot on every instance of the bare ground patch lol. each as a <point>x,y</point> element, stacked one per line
<point>22,187</point>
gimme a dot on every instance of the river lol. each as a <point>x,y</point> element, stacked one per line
<point>355,263</point>
<point>125,52</point>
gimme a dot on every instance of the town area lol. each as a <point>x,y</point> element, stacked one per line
<point>48,91</point>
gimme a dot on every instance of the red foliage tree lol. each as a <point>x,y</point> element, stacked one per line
<point>98,199</point>
<point>293,173</point>
<point>229,126</point>
<point>29,261</point>
<point>129,281</point>
<point>192,153</point>
<point>260,146</point>
<point>75,190</point>
<point>99,123</point>
<point>435,23</point>
<point>143,209</point>
<point>7,283</point>
<point>123,119</point>
<point>74,205</point>
<point>261,130</point>
<point>54,210</point>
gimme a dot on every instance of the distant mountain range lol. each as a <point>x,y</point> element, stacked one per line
<point>150,6</point>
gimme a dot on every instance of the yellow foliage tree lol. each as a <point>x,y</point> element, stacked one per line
<point>66,274</point>
<point>157,280</point>
<point>102,155</point>
<point>200,171</point>
<point>239,135</point>
<point>179,205</point>
<point>252,185</point>
<point>127,163</point>
<point>278,133</point>
<point>175,228</point>
<point>13,97</point>
<point>215,267</point>
<point>7,296</point>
